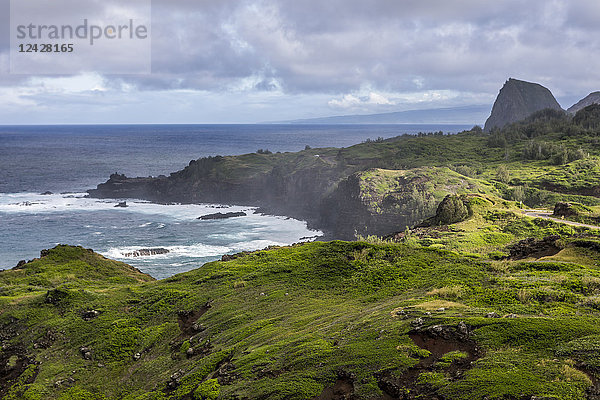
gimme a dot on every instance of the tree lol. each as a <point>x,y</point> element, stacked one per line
<point>502,174</point>
<point>451,210</point>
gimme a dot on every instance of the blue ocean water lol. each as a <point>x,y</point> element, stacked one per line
<point>67,160</point>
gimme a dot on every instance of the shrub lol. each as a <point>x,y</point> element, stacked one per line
<point>451,210</point>
<point>208,390</point>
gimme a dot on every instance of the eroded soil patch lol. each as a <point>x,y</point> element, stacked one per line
<point>440,341</point>
<point>13,362</point>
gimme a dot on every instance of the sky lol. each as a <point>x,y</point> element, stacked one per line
<point>248,61</point>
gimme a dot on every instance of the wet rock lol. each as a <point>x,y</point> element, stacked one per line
<point>346,375</point>
<point>147,252</point>
<point>20,264</point>
<point>222,215</point>
<point>46,193</point>
<point>122,204</point>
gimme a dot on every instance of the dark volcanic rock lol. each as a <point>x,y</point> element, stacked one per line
<point>564,210</point>
<point>592,98</point>
<point>122,204</point>
<point>517,100</point>
<point>534,248</point>
<point>146,252</point>
<point>223,215</point>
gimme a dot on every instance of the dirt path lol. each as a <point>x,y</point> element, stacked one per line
<point>545,214</point>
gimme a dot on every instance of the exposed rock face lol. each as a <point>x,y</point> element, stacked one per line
<point>534,248</point>
<point>592,98</point>
<point>517,100</point>
<point>564,210</point>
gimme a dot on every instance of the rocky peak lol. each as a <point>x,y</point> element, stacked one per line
<point>517,100</point>
<point>592,98</point>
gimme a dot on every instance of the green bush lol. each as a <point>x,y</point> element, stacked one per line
<point>208,390</point>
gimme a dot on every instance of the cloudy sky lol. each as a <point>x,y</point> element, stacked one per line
<point>245,61</point>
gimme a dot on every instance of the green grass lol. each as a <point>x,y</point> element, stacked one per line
<point>303,314</point>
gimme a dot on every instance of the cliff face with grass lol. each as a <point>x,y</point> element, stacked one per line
<point>477,300</point>
<point>498,306</point>
<point>383,186</point>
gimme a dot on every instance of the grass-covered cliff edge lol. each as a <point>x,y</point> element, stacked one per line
<point>495,306</point>
<point>479,299</point>
<point>382,186</point>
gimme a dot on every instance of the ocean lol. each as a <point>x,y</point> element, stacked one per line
<point>68,160</point>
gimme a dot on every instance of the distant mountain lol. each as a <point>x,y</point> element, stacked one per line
<point>592,98</point>
<point>517,100</point>
<point>455,115</point>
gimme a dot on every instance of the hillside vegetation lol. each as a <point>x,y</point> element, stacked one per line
<point>384,185</point>
<point>459,295</point>
<point>471,310</point>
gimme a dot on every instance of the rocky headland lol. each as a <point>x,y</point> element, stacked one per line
<point>517,100</point>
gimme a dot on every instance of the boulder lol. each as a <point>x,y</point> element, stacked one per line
<point>564,210</point>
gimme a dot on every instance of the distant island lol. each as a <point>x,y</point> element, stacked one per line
<point>451,115</point>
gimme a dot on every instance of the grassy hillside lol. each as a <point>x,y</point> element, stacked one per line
<point>547,158</point>
<point>478,301</point>
<point>446,312</point>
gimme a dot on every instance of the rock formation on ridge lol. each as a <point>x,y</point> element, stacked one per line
<point>517,100</point>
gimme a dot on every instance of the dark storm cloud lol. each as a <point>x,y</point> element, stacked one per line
<point>440,48</point>
<point>339,45</point>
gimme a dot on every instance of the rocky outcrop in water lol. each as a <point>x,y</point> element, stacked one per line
<point>146,252</point>
<point>592,98</point>
<point>517,100</point>
<point>222,215</point>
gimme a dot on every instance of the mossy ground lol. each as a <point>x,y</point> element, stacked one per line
<point>283,323</point>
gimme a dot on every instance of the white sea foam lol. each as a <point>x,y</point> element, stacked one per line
<point>34,203</point>
<point>197,250</point>
<point>149,225</point>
